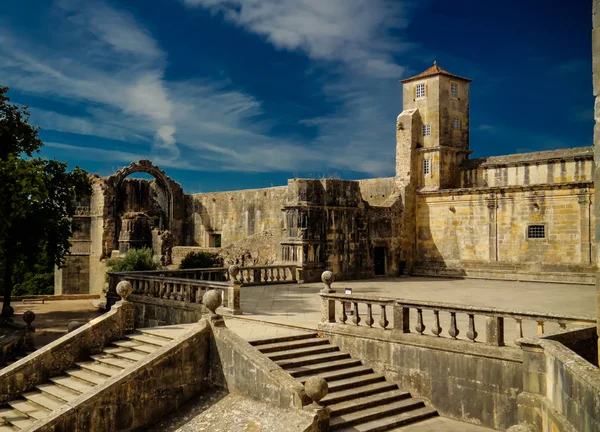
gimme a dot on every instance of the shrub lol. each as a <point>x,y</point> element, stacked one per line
<point>201,259</point>
<point>134,260</point>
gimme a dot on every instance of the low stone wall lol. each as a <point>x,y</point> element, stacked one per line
<point>561,390</point>
<point>54,297</point>
<point>468,381</point>
<point>61,354</point>
<point>154,311</point>
<point>238,366</point>
<point>158,386</point>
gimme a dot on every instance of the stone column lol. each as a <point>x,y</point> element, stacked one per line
<point>492,206</point>
<point>584,212</point>
<point>596,82</point>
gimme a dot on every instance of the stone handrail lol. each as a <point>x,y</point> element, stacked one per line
<point>401,309</point>
<point>178,289</point>
<point>217,274</point>
<point>270,274</point>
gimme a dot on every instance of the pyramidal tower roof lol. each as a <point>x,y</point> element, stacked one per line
<point>433,71</point>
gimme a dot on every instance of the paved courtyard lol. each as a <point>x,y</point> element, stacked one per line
<point>299,305</point>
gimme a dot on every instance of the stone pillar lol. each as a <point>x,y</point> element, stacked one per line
<point>596,82</point>
<point>584,212</point>
<point>492,205</point>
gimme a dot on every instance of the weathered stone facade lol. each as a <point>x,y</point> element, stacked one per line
<point>525,216</point>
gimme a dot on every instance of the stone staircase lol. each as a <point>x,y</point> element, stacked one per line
<point>43,399</point>
<point>7,363</point>
<point>359,399</point>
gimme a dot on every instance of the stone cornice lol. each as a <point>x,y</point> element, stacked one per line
<point>504,189</point>
<point>536,158</point>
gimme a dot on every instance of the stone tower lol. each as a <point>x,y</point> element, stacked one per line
<point>438,103</point>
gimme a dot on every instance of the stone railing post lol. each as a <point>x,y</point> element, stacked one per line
<point>233,292</point>
<point>126,319</point>
<point>316,388</point>
<point>494,331</point>
<point>29,317</point>
<point>401,318</point>
<point>328,305</point>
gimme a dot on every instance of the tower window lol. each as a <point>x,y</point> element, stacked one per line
<point>426,130</point>
<point>420,91</point>
<point>454,90</point>
<point>426,166</point>
<point>456,123</point>
<point>536,231</point>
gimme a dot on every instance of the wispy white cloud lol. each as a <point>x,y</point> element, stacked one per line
<point>486,127</point>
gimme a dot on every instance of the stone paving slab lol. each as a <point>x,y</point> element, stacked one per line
<point>251,330</point>
<point>217,411</point>
<point>441,424</point>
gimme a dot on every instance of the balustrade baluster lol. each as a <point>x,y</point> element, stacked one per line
<point>343,316</point>
<point>453,332</point>
<point>284,273</point>
<point>383,322</point>
<point>369,321</point>
<point>420,327</point>
<point>540,327</point>
<point>472,333</point>
<point>278,276</point>
<point>356,317</point>
<point>436,329</point>
<point>187,293</point>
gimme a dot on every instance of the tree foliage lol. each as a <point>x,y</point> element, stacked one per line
<point>37,200</point>
<point>201,259</point>
<point>134,260</point>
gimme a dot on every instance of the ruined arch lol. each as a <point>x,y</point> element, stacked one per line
<point>112,191</point>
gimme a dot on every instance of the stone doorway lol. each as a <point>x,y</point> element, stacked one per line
<point>379,258</point>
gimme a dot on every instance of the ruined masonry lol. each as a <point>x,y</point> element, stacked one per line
<point>522,216</point>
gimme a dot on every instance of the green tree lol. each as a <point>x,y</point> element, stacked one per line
<point>134,260</point>
<point>200,259</point>
<point>37,199</point>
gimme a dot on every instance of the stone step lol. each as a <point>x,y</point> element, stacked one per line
<point>339,374</point>
<point>355,382</point>
<point>149,339</point>
<point>167,332</point>
<point>283,339</point>
<point>7,428</point>
<point>285,346</point>
<point>16,418</point>
<point>367,402</point>
<point>111,360</point>
<point>391,422</point>
<point>99,368</point>
<point>136,346</point>
<point>378,412</point>
<point>316,369</point>
<point>44,400</point>
<point>125,353</point>
<point>312,359</point>
<point>72,383</point>
<point>29,408</point>
<point>87,376</point>
<point>356,393</point>
<point>58,391</point>
<point>302,352</point>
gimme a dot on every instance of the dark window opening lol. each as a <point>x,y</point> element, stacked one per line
<point>379,260</point>
<point>536,231</point>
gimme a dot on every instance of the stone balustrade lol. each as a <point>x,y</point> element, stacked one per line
<point>361,310</point>
<point>272,274</point>
<point>217,274</point>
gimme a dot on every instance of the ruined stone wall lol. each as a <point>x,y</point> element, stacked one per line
<point>596,83</point>
<point>547,167</point>
<point>483,232</point>
<point>376,191</point>
<point>234,215</point>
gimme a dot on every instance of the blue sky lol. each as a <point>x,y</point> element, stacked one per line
<point>235,94</point>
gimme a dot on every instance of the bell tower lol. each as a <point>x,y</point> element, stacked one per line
<point>440,131</point>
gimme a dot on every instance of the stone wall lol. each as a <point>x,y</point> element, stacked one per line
<point>156,387</point>
<point>596,83</point>
<point>485,230</point>
<point>234,215</point>
<point>546,167</point>
<point>470,382</point>
<point>561,390</point>
<point>377,191</point>
<point>154,311</point>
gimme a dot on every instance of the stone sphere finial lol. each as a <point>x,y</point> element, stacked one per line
<point>28,317</point>
<point>7,311</point>
<point>212,300</point>
<point>327,278</point>
<point>124,289</point>
<point>73,325</point>
<point>234,271</point>
<point>316,388</point>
